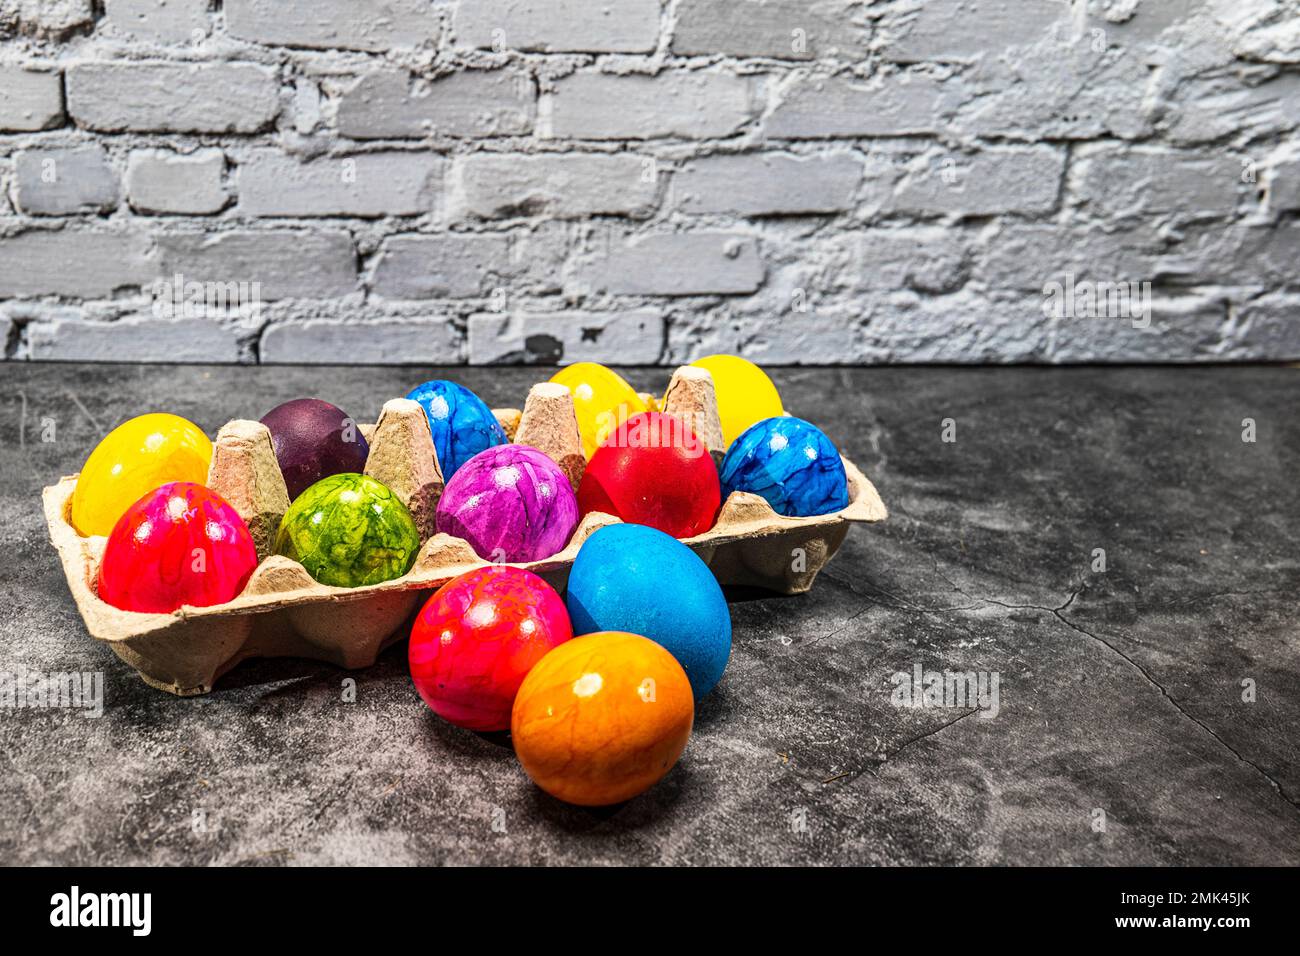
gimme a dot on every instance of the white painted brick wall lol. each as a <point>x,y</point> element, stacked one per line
<point>59,182</point>
<point>369,185</point>
<point>31,98</point>
<point>172,97</point>
<point>780,29</point>
<point>683,104</point>
<point>768,184</point>
<point>442,181</point>
<point>547,337</point>
<point>453,265</point>
<point>161,182</point>
<point>557,26</point>
<point>374,25</point>
<point>167,21</point>
<point>476,103</point>
<point>559,185</point>
<point>678,263</point>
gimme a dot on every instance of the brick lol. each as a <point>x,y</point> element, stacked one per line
<point>1028,255</point>
<point>1115,183</point>
<point>1129,24</point>
<point>431,341</point>
<point>1023,180</point>
<point>370,185</point>
<point>967,327</point>
<point>475,103</point>
<point>168,21</point>
<point>1185,328</point>
<point>30,99</point>
<point>52,19</point>
<point>925,258</point>
<point>374,25</point>
<point>1208,109</point>
<point>563,186</point>
<point>559,26</point>
<point>682,104</point>
<point>452,265</point>
<point>72,263</point>
<point>1056,91</point>
<point>173,97</point>
<point>287,264</point>
<point>160,181</point>
<point>1284,185</point>
<point>1270,42</point>
<point>900,104</point>
<point>681,263</point>
<point>768,184</point>
<point>1262,254</point>
<point>773,338</point>
<point>1267,329</point>
<point>134,340</point>
<point>551,338</point>
<point>944,30</point>
<point>57,182</point>
<point>778,29</point>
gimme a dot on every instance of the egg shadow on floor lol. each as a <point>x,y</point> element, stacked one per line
<point>278,676</point>
<point>495,744</point>
<point>715,708</point>
<point>643,810</point>
<point>747,593</point>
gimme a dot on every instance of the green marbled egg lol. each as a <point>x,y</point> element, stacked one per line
<point>348,530</point>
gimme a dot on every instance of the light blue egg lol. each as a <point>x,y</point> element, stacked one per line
<point>790,463</point>
<point>637,579</point>
<point>461,423</point>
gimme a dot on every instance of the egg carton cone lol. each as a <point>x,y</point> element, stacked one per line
<point>283,612</point>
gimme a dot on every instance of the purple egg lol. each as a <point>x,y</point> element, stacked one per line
<point>511,503</point>
<point>314,440</point>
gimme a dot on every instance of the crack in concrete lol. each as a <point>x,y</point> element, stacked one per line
<point>1058,613</point>
<point>885,758</point>
<point>1179,707</point>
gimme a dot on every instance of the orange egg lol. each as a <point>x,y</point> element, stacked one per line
<point>602,718</point>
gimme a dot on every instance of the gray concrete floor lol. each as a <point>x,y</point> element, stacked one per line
<point>1122,736</point>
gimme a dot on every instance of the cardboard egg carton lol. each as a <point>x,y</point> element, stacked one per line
<point>283,612</point>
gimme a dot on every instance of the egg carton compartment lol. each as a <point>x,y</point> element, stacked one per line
<point>283,612</point>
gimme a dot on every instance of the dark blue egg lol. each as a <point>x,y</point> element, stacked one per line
<point>461,423</point>
<point>790,463</point>
<point>630,577</point>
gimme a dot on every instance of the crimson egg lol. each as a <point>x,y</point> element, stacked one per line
<point>180,544</point>
<point>476,639</point>
<point>653,470</point>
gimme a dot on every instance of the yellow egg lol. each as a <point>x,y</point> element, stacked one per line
<point>745,394</point>
<point>133,459</point>
<point>602,400</point>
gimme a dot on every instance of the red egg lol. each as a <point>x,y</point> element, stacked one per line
<point>476,639</point>
<point>653,470</point>
<point>179,544</point>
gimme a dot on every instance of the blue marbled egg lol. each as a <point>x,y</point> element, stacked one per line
<point>630,577</point>
<point>790,463</point>
<point>461,423</point>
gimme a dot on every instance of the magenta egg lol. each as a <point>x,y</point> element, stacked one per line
<point>511,503</point>
<point>179,544</point>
